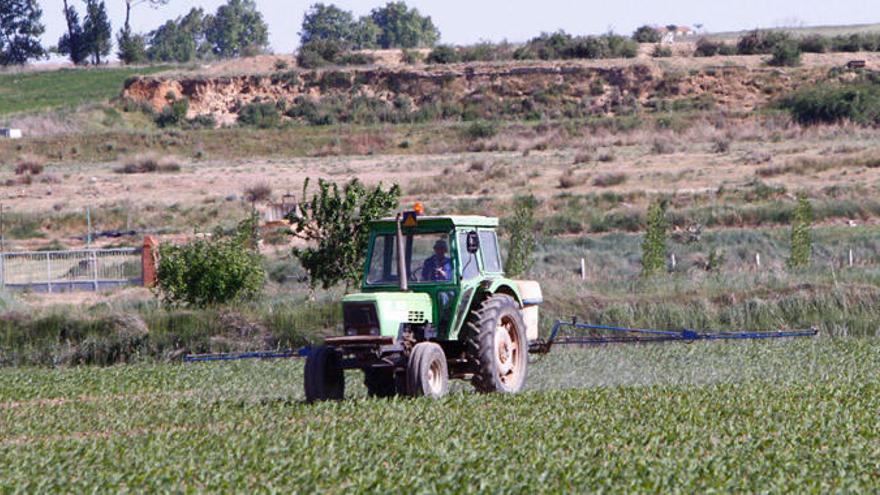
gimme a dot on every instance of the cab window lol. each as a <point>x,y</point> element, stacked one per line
<point>469,266</point>
<point>489,247</point>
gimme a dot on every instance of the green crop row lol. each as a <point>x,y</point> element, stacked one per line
<point>795,415</point>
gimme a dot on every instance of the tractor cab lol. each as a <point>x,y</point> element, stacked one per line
<point>444,257</point>
<point>434,304</point>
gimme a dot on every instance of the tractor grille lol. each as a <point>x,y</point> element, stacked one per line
<point>360,319</point>
<point>416,317</point>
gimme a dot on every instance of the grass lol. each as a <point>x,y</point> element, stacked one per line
<point>731,417</point>
<point>63,88</point>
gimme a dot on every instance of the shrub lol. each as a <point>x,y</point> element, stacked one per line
<point>173,114</point>
<point>148,163</point>
<point>481,129</point>
<point>721,146</point>
<point>410,57</point>
<point>760,42</point>
<point>654,244</point>
<point>786,54</point>
<point>259,114</point>
<point>212,271</point>
<point>29,164</point>
<point>646,34</point>
<point>567,180</point>
<point>258,192</point>
<point>319,52</point>
<point>521,232</point>
<point>661,51</point>
<point>611,179</point>
<point>443,54</point>
<point>355,58</point>
<point>833,103</point>
<point>814,44</point>
<point>706,48</point>
<point>662,147</point>
<point>801,234</point>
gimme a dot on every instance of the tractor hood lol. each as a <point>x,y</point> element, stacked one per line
<point>387,311</point>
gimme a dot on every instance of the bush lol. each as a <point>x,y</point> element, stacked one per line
<point>443,54</point>
<point>761,42</point>
<point>706,48</point>
<point>646,34</point>
<point>521,231</point>
<point>262,115</point>
<point>786,54</point>
<point>608,180</point>
<point>319,52</point>
<point>148,163</point>
<point>480,129</point>
<point>661,51</point>
<point>410,57</point>
<point>212,271</point>
<point>258,192</point>
<point>814,44</point>
<point>654,244</point>
<point>29,164</point>
<point>173,114</point>
<point>801,234</point>
<point>834,103</point>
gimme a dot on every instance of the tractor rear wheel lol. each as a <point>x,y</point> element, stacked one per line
<point>497,346</point>
<point>381,382</point>
<point>324,379</point>
<point>426,372</point>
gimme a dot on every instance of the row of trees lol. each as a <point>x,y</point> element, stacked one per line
<point>237,28</point>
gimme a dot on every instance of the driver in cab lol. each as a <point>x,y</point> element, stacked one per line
<point>439,266</point>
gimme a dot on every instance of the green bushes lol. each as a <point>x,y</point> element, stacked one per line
<point>561,45</point>
<point>801,234</point>
<point>259,114</point>
<point>443,54</point>
<point>520,229</point>
<point>786,54</point>
<point>212,271</point>
<point>654,244</point>
<point>828,103</point>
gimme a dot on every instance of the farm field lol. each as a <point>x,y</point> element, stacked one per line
<point>742,417</point>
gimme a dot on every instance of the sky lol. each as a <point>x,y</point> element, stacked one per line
<point>469,21</point>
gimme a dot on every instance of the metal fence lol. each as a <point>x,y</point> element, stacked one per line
<point>59,271</point>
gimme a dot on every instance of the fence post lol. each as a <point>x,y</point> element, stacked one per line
<point>583,269</point>
<point>49,272</point>
<point>758,260</point>
<point>148,261</point>
<point>2,269</point>
<point>95,268</point>
<point>850,258</point>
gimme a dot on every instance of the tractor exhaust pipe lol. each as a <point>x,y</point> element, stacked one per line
<point>402,275</point>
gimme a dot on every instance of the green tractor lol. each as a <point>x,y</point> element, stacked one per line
<point>453,314</point>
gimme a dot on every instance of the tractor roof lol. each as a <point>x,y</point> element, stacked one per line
<point>455,220</point>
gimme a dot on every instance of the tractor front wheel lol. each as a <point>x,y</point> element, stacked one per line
<point>497,345</point>
<point>426,372</point>
<point>324,379</point>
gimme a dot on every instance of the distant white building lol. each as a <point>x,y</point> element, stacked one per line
<point>10,133</point>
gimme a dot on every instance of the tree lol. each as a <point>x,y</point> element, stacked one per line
<point>213,270</point>
<point>237,29</point>
<point>801,234</point>
<point>365,34</point>
<point>521,229</point>
<point>402,27</point>
<point>73,42</point>
<point>132,46</point>
<point>336,224</point>
<point>654,244</point>
<point>326,22</point>
<point>646,34</point>
<point>97,32</point>
<point>20,30</point>
<point>179,40</point>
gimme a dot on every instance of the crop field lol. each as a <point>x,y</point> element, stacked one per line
<point>733,417</point>
<point>44,90</point>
